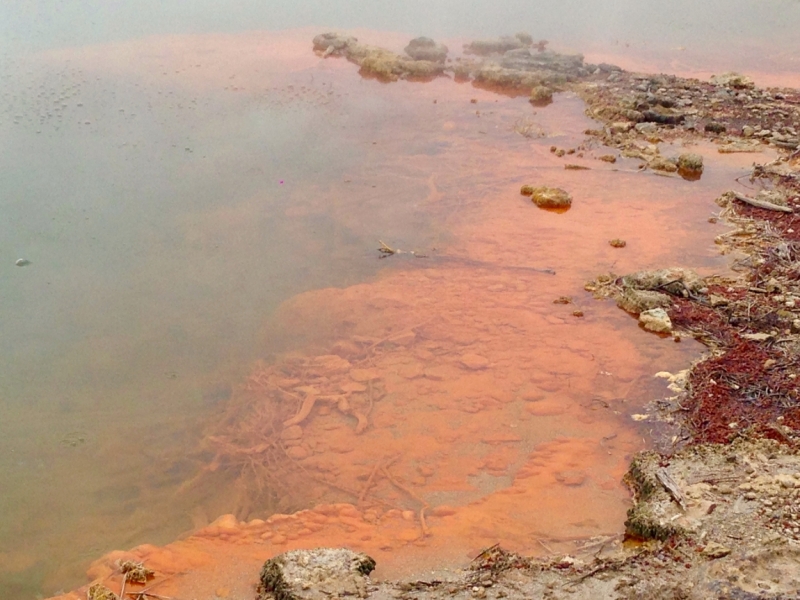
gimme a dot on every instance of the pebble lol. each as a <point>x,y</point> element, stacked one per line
<point>656,320</point>
<point>474,362</point>
<point>295,432</point>
<point>364,375</point>
<point>296,452</point>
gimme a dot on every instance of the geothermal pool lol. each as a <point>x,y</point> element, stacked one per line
<point>202,214</point>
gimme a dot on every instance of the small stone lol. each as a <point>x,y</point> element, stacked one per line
<point>635,301</point>
<point>22,262</point>
<point>565,563</point>
<point>733,79</point>
<point>690,163</point>
<point>541,95</point>
<point>609,158</point>
<point>295,432</point>
<point>473,362</point>
<point>714,127</point>
<point>716,301</point>
<point>364,375</point>
<point>296,452</point>
<point>333,572</point>
<point>620,127</point>
<point>659,163</point>
<point>424,48</point>
<point>227,521</point>
<point>748,131</point>
<point>714,550</point>
<point>571,477</point>
<point>550,197</point>
<point>352,387</point>
<point>617,243</point>
<point>647,128</point>
<point>656,320</point>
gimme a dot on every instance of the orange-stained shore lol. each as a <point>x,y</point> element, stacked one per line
<point>455,405</point>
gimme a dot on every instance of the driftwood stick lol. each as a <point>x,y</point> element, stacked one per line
<point>423,524</point>
<point>669,484</point>
<point>760,203</point>
<point>363,495</point>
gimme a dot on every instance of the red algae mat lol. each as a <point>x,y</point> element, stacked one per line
<point>449,404</point>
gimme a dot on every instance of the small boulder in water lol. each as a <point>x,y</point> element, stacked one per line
<point>690,165</point>
<point>315,575</point>
<point>656,319</point>
<point>547,197</point>
<point>424,48</point>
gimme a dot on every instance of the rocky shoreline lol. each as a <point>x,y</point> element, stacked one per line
<point>716,505</point>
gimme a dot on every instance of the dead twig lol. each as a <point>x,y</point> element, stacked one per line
<point>669,484</point>
<point>760,203</point>
<point>425,531</point>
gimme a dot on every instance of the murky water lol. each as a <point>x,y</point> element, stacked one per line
<point>171,193</point>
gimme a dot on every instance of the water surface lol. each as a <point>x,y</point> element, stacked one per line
<point>171,191</point>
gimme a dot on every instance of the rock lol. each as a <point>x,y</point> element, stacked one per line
<point>646,128</point>
<point>663,116</point>
<point>714,127</point>
<point>377,62</point>
<point>352,387</point>
<point>541,95</point>
<point>717,301</point>
<point>656,320</point>
<point>332,363</point>
<point>364,375</point>
<point>296,452</point>
<point>22,262</point>
<point>498,46</point>
<point>333,43</point>
<point>715,550</point>
<point>571,477</point>
<point>748,131</point>
<point>734,80</point>
<point>100,592</point>
<point>227,521</point>
<point>550,197</point>
<point>620,127</point>
<point>294,432</point>
<point>689,162</point>
<point>659,163</point>
<point>617,243</point>
<point>318,574</point>
<point>678,281</point>
<point>786,481</point>
<point>473,362</point>
<point>636,301</point>
<point>424,48</point>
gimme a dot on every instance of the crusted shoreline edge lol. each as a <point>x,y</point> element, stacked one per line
<point>715,509</point>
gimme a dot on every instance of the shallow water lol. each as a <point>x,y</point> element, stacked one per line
<point>172,192</point>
